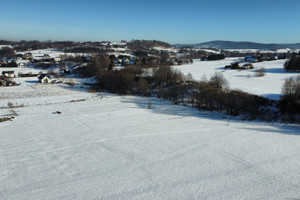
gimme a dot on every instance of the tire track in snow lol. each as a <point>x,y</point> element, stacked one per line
<point>233,157</point>
<point>104,140</point>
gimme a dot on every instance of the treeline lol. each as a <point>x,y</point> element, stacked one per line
<point>6,42</point>
<point>35,44</point>
<point>216,57</point>
<point>143,45</point>
<point>213,94</point>
<point>24,45</point>
<point>289,104</point>
<point>293,64</point>
<point>86,50</point>
<point>172,85</point>
<point>95,65</point>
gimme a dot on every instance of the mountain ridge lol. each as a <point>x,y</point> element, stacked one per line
<point>222,44</point>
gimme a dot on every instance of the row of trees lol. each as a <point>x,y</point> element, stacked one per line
<point>289,103</point>
<point>97,64</point>
<point>169,84</point>
<point>87,50</point>
<point>216,57</point>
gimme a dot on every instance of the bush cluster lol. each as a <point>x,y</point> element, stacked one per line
<point>289,103</point>
<point>293,64</point>
<point>216,57</point>
<point>232,102</point>
<point>172,85</point>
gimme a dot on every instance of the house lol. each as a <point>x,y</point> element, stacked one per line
<point>89,58</point>
<point>174,62</point>
<point>250,59</point>
<point>57,59</point>
<point>118,61</point>
<point>46,57</point>
<point>234,65</point>
<point>125,61</point>
<point>27,56</point>
<point>247,66</point>
<point>8,74</point>
<point>274,58</point>
<point>44,78</point>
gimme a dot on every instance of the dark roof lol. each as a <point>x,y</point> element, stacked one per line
<point>43,76</point>
<point>8,72</point>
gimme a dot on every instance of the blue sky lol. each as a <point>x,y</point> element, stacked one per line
<point>173,21</point>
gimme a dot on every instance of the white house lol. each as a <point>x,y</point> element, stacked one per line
<point>44,78</point>
<point>57,59</point>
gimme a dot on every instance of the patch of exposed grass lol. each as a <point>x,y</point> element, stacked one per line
<point>3,119</point>
<point>78,100</point>
<point>11,105</point>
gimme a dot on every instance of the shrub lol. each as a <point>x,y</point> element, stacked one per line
<point>218,80</point>
<point>289,103</point>
<point>165,75</point>
<point>291,86</point>
<point>293,64</point>
<point>143,87</point>
<point>216,57</point>
<point>122,81</point>
<point>260,72</point>
<point>10,104</point>
<point>3,119</point>
<point>70,82</point>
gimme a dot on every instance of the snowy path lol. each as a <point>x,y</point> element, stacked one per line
<point>116,148</point>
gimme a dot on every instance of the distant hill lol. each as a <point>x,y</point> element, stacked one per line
<point>146,44</point>
<point>219,44</point>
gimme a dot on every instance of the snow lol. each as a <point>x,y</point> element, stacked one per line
<point>53,53</point>
<point>165,49</point>
<point>113,147</point>
<point>104,146</point>
<point>208,50</point>
<point>268,86</point>
<point>4,46</point>
<point>119,49</point>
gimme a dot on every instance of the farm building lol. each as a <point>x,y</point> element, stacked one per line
<point>8,74</point>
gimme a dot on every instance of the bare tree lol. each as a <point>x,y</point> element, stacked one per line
<point>218,80</point>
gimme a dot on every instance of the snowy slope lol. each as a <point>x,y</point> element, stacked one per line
<point>269,85</point>
<point>111,147</point>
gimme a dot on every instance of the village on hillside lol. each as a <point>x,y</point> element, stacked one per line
<point>49,60</point>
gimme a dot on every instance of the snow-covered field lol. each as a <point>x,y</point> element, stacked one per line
<point>103,146</point>
<point>269,85</point>
<point>53,53</point>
